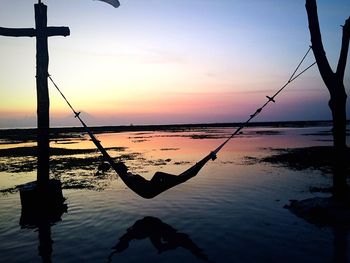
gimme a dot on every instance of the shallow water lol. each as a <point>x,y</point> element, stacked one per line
<point>232,211</point>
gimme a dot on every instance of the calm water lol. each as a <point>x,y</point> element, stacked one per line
<point>232,211</point>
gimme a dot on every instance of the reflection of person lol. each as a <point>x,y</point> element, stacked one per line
<point>162,236</point>
<point>160,181</point>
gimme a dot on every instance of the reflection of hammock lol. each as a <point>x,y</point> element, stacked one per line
<point>161,182</point>
<point>161,235</point>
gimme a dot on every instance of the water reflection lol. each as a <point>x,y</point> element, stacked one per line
<point>42,218</point>
<point>332,211</point>
<point>42,222</point>
<point>340,253</point>
<point>162,236</point>
<point>45,242</point>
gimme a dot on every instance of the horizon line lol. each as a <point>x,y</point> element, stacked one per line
<point>132,127</point>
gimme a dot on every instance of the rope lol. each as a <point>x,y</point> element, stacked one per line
<point>212,153</point>
<point>92,136</point>
<point>269,99</point>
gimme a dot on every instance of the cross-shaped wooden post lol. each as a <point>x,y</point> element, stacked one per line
<point>41,32</point>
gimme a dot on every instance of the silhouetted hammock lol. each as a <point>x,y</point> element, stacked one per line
<point>160,181</point>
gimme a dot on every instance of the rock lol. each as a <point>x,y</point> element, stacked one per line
<point>322,211</point>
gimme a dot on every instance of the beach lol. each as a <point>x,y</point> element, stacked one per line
<point>232,211</point>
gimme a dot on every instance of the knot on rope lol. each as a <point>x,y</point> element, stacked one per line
<point>271,99</point>
<point>213,155</point>
<point>256,113</point>
<point>76,114</point>
<point>293,77</point>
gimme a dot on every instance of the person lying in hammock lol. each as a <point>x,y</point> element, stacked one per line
<point>160,181</point>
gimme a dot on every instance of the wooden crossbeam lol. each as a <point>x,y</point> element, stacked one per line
<point>41,32</point>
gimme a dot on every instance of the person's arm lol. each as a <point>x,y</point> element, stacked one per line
<point>192,171</point>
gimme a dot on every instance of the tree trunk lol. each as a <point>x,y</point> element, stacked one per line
<point>337,104</point>
<point>335,85</point>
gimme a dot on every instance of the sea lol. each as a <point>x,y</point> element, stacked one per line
<point>232,211</point>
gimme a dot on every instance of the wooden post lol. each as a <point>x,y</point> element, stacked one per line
<point>41,32</point>
<point>43,103</point>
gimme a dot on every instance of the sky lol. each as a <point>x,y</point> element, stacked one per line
<point>169,61</point>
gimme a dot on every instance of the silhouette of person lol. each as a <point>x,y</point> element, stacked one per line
<point>160,181</point>
<point>162,236</point>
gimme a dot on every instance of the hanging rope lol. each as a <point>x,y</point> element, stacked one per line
<point>92,136</point>
<point>269,99</point>
<point>161,182</point>
<point>244,124</point>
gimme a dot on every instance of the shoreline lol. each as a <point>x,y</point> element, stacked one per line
<point>164,127</point>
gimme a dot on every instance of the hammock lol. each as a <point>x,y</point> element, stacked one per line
<point>160,181</point>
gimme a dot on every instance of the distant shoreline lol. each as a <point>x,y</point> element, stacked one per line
<point>167,127</point>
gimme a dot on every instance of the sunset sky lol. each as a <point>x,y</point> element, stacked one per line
<point>169,61</point>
